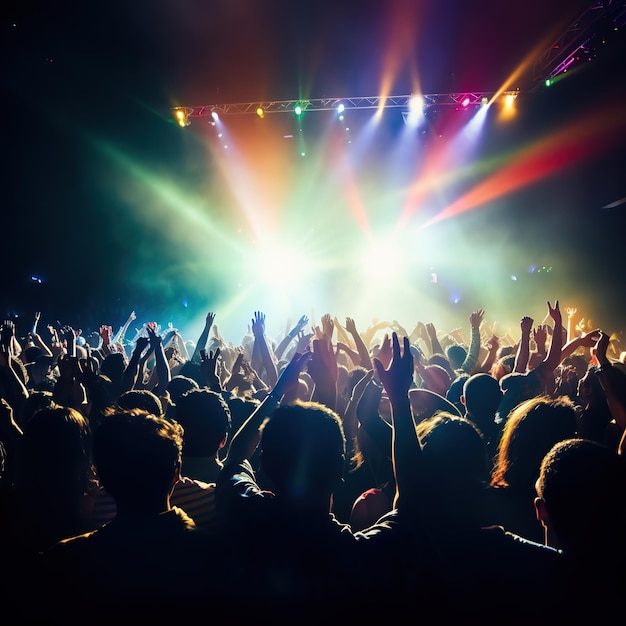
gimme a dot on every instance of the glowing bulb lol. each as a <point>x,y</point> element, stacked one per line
<point>260,112</point>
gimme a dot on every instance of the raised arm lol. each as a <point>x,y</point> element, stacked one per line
<point>323,371</point>
<point>548,365</point>
<point>471,359</point>
<point>131,375</point>
<point>290,336</point>
<point>406,451</point>
<point>15,389</point>
<point>36,337</point>
<point>612,380</point>
<point>364,354</point>
<point>118,338</point>
<point>267,363</point>
<point>161,365</point>
<point>204,337</point>
<point>435,345</point>
<point>523,347</point>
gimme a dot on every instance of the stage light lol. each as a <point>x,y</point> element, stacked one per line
<point>260,112</point>
<point>549,82</point>
<point>484,101</point>
<point>415,114</point>
<point>215,116</point>
<point>465,102</point>
<point>341,107</point>
<point>181,118</point>
<point>509,100</point>
<point>297,109</point>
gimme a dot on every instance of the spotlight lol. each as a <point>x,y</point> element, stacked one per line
<point>181,118</point>
<point>297,109</point>
<point>341,107</point>
<point>465,102</point>
<point>260,112</point>
<point>215,116</point>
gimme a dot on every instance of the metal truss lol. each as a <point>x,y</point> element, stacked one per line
<point>331,104</point>
<point>581,38</point>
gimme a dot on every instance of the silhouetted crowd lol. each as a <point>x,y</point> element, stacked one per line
<point>328,473</point>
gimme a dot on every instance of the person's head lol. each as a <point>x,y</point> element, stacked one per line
<point>442,361</point>
<point>240,409</point>
<point>503,366</point>
<point>579,362</point>
<point>180,384</point>
<point>532,428</point>
<point>580,497</point>
<point>36,400</point>
<point>455,392</point>
<point>141,399</point>
<point>38,366</point>
<point>303,450</point>
<point>453,451</point>
<point>138,458</point>
<point>481,396</point>
<point>54,457</point>
<point>456,355</point>
<point>455,461</point>
<point>517,387</point>
<point>206,420</point>
<point>113,366</point>
<point>436,379</point>
<point>590,390</point>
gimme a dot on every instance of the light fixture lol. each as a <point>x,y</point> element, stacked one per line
<point>182,117</point>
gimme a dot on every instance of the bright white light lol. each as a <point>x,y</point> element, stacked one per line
<point>384,259</point>
<point>279,259</point>
<point>215,116</point>
<point>341,107</point>
<point>416,110</point>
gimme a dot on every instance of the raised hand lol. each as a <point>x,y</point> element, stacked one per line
<point>385,352</point>
<point>258,324</point>
<point>323,370</point>
<point>209,365</point>
<point>476,318</point>
<point>328,326</point>
<point>601,346</point>
<point>570,312</point>
<point>153,337</point>
<point>351,326</point>
<point>304,342</point>
<point>300,324</point>
<point>397,377</point>
<point>287,383</point>
<point>526,325</point>
<point>555,312</point>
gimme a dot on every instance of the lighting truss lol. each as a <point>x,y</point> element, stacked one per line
<point>465,99</point>
<point>580,39</point>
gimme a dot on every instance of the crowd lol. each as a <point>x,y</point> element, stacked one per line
<point>328,473</point>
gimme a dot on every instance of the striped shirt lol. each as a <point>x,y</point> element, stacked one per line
<point>195,497</point>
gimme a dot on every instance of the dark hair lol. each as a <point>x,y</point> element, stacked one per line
<point>303,448</point>
<point>137,454</point>
<point>205,418</point>
<point>582,484</point>
<point>531,429</point>
<point>141,399</point>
